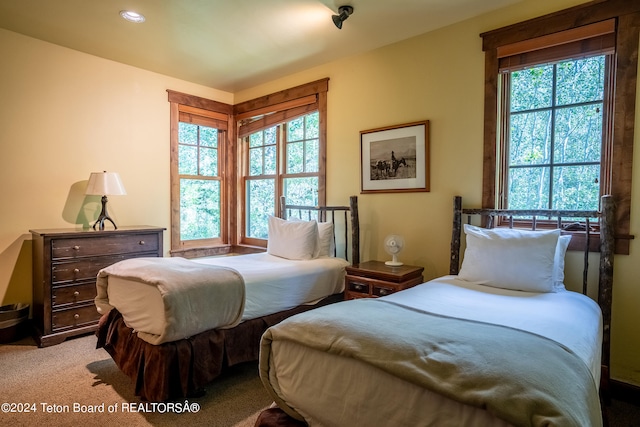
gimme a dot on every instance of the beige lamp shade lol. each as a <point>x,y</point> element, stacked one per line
<point>105,184</point>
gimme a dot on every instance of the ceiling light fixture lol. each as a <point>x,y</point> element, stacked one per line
<point>344,12</point>
<point>132,16</point>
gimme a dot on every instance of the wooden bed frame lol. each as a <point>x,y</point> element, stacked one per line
<point>582,235</point>
<point>580,232</point>
<point>183,368</point>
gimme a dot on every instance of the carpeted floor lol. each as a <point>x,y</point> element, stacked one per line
<point>60,385</point>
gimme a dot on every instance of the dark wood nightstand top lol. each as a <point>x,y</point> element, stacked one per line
<point>379,270</point>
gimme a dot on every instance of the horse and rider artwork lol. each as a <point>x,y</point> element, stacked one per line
<point>393,158</point>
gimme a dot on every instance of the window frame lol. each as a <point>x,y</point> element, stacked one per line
<point>622,108</point>
<point>504,140</point>
<point>192,109</point>
<point>268,111</point>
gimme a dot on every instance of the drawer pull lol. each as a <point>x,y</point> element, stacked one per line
<point>76,316</point>
<point>359,287</point>
<point>76,248</point>
<point>76,270</point>
<point>384,292</point>
<point>76,293</point>
<point>141,242</point>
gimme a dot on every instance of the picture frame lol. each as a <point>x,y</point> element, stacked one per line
<point>395,159</point>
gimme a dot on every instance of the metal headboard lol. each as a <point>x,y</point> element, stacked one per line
<point>329,214</point>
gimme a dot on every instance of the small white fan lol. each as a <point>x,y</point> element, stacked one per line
<point>393,244</point>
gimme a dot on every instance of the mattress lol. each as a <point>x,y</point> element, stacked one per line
<point>356,393</point>
<point>272,284</point>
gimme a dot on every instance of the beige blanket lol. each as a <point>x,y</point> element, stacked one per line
<point>196,297</point>
<point>522,378</point>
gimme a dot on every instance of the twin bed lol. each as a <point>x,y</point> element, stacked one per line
<point>149,324</point>
<point>497,342</point>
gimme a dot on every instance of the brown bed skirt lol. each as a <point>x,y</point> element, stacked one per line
<point>182,368</point>
<point>276,417</point>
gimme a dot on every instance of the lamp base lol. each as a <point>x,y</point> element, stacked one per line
<point>104,216</point>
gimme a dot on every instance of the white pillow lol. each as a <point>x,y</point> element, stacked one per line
<point>510,258</point>
<point>326,245</point>
<point>558,264</point>
<point>292,239</point>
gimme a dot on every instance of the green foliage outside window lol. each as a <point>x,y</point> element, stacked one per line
<point>199,187</point>
<point>302,157</point>
<point>555,138</point>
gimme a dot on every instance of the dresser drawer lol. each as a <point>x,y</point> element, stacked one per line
<point>381,291</point>
<point>358,285</point>
<point>104,245</point>
<point>83,269</point>
<point>74,317</point>
<point>63,295</point>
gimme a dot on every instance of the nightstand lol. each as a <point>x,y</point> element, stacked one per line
<point>372,279</point>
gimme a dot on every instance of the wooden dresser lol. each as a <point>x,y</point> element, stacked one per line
<point>372,279</point>
<point>65,265</point>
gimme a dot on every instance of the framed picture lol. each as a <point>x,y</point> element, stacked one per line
<point>395,159</point>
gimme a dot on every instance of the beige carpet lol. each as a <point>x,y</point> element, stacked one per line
<point>75,376</point>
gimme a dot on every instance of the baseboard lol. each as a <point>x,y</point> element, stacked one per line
<point>626,392</point>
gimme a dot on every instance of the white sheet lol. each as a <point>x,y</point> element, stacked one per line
<point>354,393</point>
<point>272,284</point>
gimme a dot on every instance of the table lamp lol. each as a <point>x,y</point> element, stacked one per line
<point>105,184</point>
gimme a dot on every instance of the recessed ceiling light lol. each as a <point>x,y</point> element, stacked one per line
<point>132,16</point>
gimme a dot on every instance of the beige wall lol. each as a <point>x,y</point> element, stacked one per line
<point>439,76</point>
<point>66,114</point>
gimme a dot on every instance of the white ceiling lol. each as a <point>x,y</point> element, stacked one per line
<point>231,45</point>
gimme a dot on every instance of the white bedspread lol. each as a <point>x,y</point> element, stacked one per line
<point>355,393</point>
<point>190,297</point>
<point>272,284</point>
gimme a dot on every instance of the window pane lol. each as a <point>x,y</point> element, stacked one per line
<point>270,136</point>
<point>260,204</point>
<point>187,160</point>
<point>312,162</point>
<point>255,139</point>
<point>187,133</point>
<point>530,138</point>
<point>312,125</point>
<point>301,191</point>
<point>295,129</point>
<point>532,88</point>
<point>576,187</point>
<point>199,209</point>
<point>529,188</point>
<point>208,162</point>
<point>581,81</point>
<point>255,161</point>
<point>208,137</point>
<point>578,134</point>
<point>295,157</point>
<point>270,162</point>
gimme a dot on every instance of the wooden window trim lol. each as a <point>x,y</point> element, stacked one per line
<point>202,111</point>
<point>269,110</point>
<point>627,16</point>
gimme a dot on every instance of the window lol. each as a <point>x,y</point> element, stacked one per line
<point>200,182</point>
<point>282,146</point>
<point>553,149</point>
<point>294,175</point>
<point>542,150</point>
<point>199,152</point>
